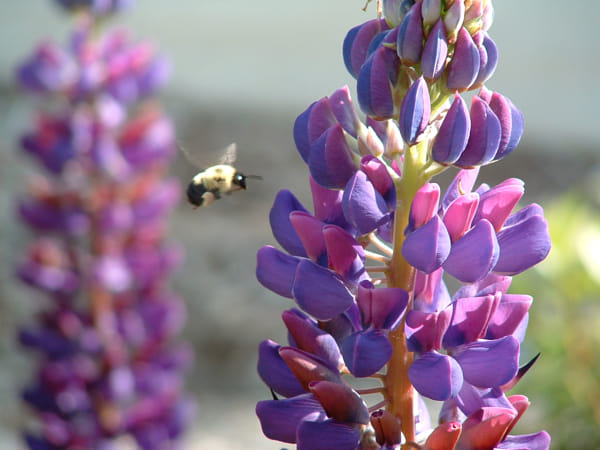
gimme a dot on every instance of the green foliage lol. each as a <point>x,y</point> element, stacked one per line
<point>564,385</point>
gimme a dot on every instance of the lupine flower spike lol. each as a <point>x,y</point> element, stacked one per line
<point>110,367</point>
<point>373,326</point>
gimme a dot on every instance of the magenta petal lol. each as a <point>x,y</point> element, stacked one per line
<point>462,183</point>
<point>464,66</point>
<point>378,175</point>
<point>366,352</point>
<point>485,136</point>
<point>273,370</point>
<point>279,218</point>
<point>523,245</point>
<point>433,59</point>
<point>374,88</point>
<point>363,206</point>
<point>509,315</point>
<point>276,270</point>
<point>279,419</point>
<point>307,336</point>
<point>310,231</point>
<point>307,367</point>
<point>424,206</point>
<point>327,435</point>
<point>330,162</point>
<point>427,247</point>
<point>424,331</point>
<point>320,292</point>
<point>453,134</point>
<point>327,204</point>
<point>340,402</point>
<point>409,43</point>
<point>470,317</point>
<point>381,307</point>
<point>459,215</point>
<point>436,376</point>
<point>497,203</point>
<point>474,255</point>
<point>489,363</point>
<point>346,256</point>
<point>415,111</point>
<point>516,131</point>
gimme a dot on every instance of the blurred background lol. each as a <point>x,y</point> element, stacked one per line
<point>242,72</point>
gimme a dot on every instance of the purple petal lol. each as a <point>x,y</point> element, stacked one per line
<point>301,138</point>
<point>273,370</point>
<point>488,60</point>
<point>309,337</point>
<point>453,134</point>
<point>485,136</point>
<point>279,218</point>
<point>363,206</point>
<point>470,317</point>
<point>523,245</point>
<point>374,88</point>
<point>343,109</point>
<point>310,231</point>
<point>279,419</point>
<point>320,292</point>
<point>330,163</point>
<point>311,124</point>
<point>475,254</point>
<point>327,435</point>
<point>410,36</point>
<point>357,42</point>
<point>436,376</point>
<point>523,214</point>
<point>489,363</point>
<point>464,65</point>
<point>510,313</point>
<point>535,441</point>
<point>430,291</point>
<point>415,111</point>
<point>340,402</point>
<point>496,204</point>
<point>433,59</point>
<point>366,352</point>
<point>511,120</point>
<point>428,247</point>
<point>276,271</point>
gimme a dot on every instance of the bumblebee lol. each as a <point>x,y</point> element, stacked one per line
<point>211,183</point>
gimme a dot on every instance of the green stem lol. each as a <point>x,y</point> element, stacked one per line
<point>400,392</point>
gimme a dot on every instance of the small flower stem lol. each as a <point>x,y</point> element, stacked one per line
<point>377,257</point>
<point>380,244</point>
<point>400,391</point>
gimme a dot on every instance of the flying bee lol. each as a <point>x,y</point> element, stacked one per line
<point>209,184</point>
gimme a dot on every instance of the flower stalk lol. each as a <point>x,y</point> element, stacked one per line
<point>372,191</point>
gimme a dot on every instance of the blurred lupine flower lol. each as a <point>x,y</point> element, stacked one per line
<point>96,7</point>
<point>110,364</point>
<point>368,269</point>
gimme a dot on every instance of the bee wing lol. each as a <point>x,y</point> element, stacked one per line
<point>229,154</point>
<point>192,158</point>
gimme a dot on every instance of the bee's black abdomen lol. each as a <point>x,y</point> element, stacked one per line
<point>195,192</point>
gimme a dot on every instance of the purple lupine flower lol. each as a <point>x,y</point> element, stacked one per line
<point>111,364</point>
<point>368,270</point>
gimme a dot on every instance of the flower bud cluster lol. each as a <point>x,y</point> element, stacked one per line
<point>110,364</point>
<point>367,270</point>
